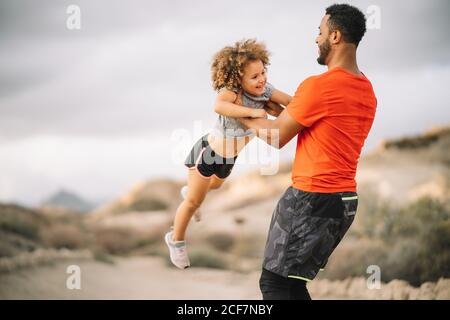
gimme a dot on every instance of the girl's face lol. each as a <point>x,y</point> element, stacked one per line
<point>254,79</point>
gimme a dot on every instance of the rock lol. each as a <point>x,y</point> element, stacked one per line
<point>358,288</point>
<point>427,291</point>
<point>414,293</point>
<point>320,288</point>
<point>442,289</point>
<point>399,289</point>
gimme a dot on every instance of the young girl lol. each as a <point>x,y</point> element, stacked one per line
<point>239,76</point>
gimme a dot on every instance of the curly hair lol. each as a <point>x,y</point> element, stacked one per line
<point>349,20</point>
<point>228,64</point>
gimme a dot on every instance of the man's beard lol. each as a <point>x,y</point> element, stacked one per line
<point>324,49</point>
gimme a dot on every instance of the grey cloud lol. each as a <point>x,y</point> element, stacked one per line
<point>137,70</point>
<point>412,35</point>
<point>135,65</point>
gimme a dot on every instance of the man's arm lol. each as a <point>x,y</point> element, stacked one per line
<point>276,132</point>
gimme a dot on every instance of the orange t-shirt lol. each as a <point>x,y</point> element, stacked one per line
<point>337,109</point>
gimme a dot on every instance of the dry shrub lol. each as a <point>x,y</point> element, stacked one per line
<point>249,246</point>
<point>148,205</point>
<point>124,240</point>
<point>207,258</point>
<point>19,225</point>
<point>410,243</point>
<point>67,236</point>
<point>115,240</point>
<point>221,241</point>
<point>351,258</point>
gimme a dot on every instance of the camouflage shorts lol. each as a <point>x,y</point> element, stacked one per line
<point>305,229</point>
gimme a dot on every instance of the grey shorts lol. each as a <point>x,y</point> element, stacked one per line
<point>305,229</point>
<point>203,158</point>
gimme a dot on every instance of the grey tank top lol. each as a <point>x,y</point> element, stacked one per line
<point>231,127</point>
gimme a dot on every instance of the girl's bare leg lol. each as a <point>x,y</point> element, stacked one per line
<point>198,187</point>
<point>216,183</point>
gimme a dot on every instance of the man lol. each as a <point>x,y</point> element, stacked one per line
<point>331,114</point>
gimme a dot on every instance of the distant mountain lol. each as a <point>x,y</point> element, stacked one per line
<point>68,200</point>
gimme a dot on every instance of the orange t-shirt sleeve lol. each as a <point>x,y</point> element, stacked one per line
<point>306,107</point>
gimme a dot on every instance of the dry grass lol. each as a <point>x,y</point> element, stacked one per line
<point>410,243</point>
<point>207,258</point>
<point>67,236</point>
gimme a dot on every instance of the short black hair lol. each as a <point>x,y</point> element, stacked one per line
<point>349,20</point>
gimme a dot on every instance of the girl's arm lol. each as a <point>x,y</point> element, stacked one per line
<point>225,106</point>
<point>280,97</point>
<point>274,109</point>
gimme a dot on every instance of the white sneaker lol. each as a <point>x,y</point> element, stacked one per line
<point>178,251</point>
<point>197,214</point>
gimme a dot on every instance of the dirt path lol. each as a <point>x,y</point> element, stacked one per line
<point>151,278</point>
<point>128,278</point>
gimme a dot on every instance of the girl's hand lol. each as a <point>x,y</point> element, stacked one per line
<point>258,113</point>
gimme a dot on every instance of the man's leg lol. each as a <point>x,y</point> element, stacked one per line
<point>273,286</point>
<point>276,287</point>
<point>298,290</point>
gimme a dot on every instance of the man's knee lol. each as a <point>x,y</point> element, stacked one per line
<point>276,287</point>
<point>298,290</point>
<point>273,286</point>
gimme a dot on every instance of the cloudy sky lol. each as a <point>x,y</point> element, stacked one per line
<point>120,100</point>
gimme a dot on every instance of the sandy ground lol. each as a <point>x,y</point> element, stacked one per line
<point>151,278</point>
<point>128,278</point>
